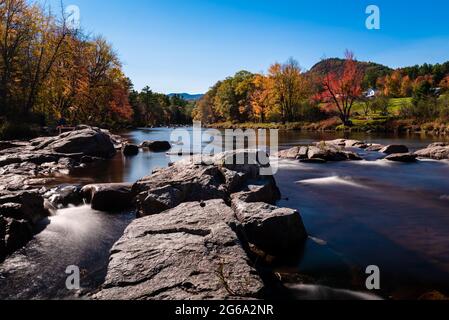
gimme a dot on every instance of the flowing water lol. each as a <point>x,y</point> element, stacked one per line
<point>371,212</point>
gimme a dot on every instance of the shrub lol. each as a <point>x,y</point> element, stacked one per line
<point>17,131</point>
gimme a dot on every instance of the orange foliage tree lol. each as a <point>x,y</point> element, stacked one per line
<point>340,91</point>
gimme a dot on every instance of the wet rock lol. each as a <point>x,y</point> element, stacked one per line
<point>131,150</point>
<point>19,213</point>
<point>112,197</point>
<point>438,151</point>
<point>64,196</point>
<point>156,146</point>
<point>278,232</point>
<point>375,147</point>
<point>31,205</point>
<point>392,149</point>
<point>186,253</point>
<point>14,234</point>
<point>402,157</point>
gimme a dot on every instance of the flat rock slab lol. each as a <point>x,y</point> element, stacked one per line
<point>436,151</point>
<point>186,253</point>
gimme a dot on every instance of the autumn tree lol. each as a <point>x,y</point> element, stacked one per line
<point>340,92</point>
<point>289,88</point>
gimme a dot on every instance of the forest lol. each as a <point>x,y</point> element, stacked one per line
<point>50,71</point>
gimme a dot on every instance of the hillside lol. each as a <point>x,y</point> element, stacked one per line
<point>187,96</point>
<point>371,70</point>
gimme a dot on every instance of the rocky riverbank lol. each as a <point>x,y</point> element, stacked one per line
<point>351,150</point>
<point>27,169</point>
<point>206,227</point>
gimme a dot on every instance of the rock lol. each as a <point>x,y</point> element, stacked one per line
<point>439,144</point>
<point>156,146</point>
<point>19,213</point>
<point>355,144</point>
<point>259,191</point>
<point>303,153</point>
<point>434,151</point>
<point>330,153</point>
<point>63,196</point>
<point>183,182</point>
<point>131,150</point>
<point>113,197</point>
<point>278,232</point>
<point>293,153</point>
<point>88,142</point>
<point>186,253</point>
<point>402,157</point>
<point>375,147</point>
<point>391,149</point>
<point>14,234</point>
<point>199,179</point>
<point>31,206</point>
<point>289,153</point>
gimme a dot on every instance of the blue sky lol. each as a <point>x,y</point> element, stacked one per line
<point>187,45</point>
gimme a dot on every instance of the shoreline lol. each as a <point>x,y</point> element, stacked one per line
<point>391,126</point>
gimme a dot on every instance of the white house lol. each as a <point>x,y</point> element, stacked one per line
<point>370,93</point>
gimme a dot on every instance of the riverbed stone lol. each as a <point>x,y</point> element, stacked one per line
<point>156,146</point>
<point>111,197</point>
<point>436,151</point>
<point>392,149</point>
<point>131,150</point>
<point>402,157</point>
<point>279,232</point>
<point>186,253</point>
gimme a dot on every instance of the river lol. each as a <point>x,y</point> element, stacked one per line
<point>371,212</point>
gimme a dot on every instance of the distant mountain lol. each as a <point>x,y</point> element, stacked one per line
<point>337,65</point>
<point>187,96</point>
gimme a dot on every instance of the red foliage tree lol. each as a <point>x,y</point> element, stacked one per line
<point>340,91</point>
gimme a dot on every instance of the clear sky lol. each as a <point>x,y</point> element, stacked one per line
<point>187,45</point>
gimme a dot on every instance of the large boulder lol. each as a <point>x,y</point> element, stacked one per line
<point>112,197</point>
<point>88,142</point>
<point>156,146</point>
<point>186,253</point>
<point>402,157</point>
<point>201,179</point>
<point>183,182</point>
<point>436,151</point>
<point>392,149</point>
<point>277,231</point>
<point>330,153</point>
